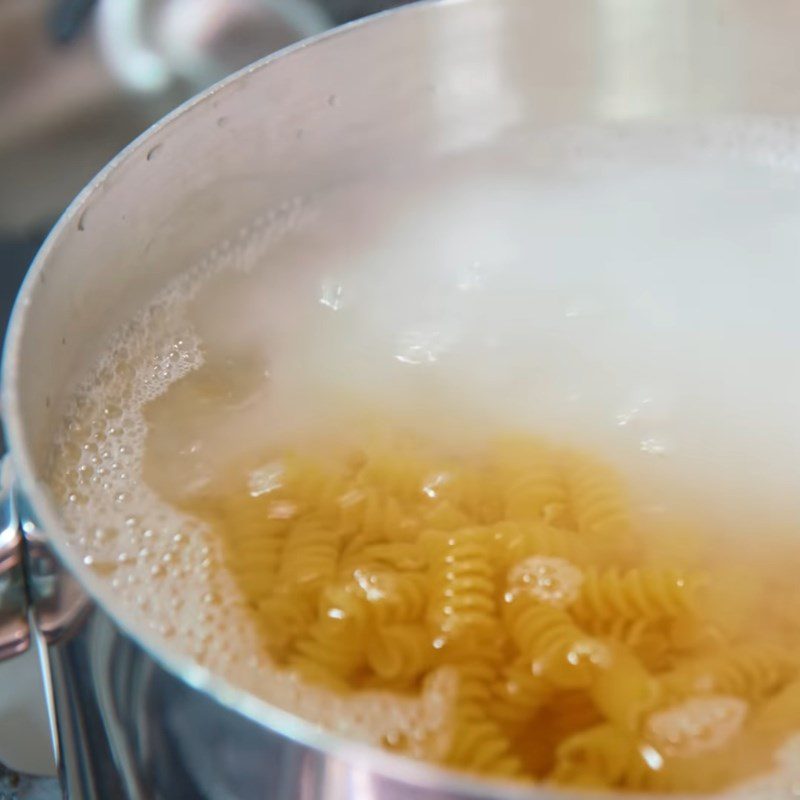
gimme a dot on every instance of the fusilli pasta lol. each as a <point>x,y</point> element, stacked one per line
<point>582,654</point>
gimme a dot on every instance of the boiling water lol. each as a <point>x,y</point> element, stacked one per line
<point>618,293</point>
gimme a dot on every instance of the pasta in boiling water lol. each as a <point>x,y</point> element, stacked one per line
<point>581,653</point>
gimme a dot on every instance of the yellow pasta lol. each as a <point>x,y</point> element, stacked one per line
<point>397,472</point>
<point>778,716</point>
<point>296,484</point>
<point>583,653</point>
<point>539,495</point>
<point>310,556</point>
<point>623,690</point>
<point>462,610</point>
<point>381,557</point>
<point>749,671</point>
<point>610,757</point>
<point>283,618</point>
<point>253,542</point>
<point>650,641</point>
<point>394,597</point>
<point>556,647</point>
<point>512,541</point>
<point>478,743</point>
<point>646,593</point>
<point>399,653</point>
<point>519,693</point>
<point>601,757</point>
<point>333,650</point>
<point>368,511</point>
<point>475,740</point>
<point>599,505</point>
<point>443,516</point>
<point>475,494</point>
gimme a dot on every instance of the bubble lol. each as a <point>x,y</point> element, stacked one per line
<point>283,509</point>
<point>265,479</point>
<point>697,725</point>
<point>551,580</point>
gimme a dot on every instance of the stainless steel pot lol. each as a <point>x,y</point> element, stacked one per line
<point>131,719</point>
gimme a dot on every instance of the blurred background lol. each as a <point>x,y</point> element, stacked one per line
<point>79,79</point>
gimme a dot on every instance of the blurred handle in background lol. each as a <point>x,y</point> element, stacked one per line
<point>148,45</point>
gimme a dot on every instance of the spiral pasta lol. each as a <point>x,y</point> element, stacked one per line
<point>519,693</point>
<point>475,740</point>
<point>646,593</point>
<point>393,597</point>
<point>749,671</point>
<point>462,609</point>
<point>399,654</point>
<point>539,495</point>
<point>608,757</point>
<point>366,511</point>
<point>580,653</point>
<point>599,504</point>
<point>284,617</point>
<point>778,716</point>
<point>396,472</point>
<point>650,641</point>
<point>512,541</point>
<point>557,648</point>
<point>623,690</point>
<point>601,757</point>
<point>479,744</point>
<point>310,556</point>
<point>253,543</point>
<point>298,484</point>
<point>333,649</point>
<point>381,556</point>
<point>443,516</point>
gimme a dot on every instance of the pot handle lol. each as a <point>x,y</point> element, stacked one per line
<point>15,634</point>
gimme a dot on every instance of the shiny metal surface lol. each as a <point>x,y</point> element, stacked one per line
<point>58,603</point>
<point>135,719</point>
<point>15,634</point>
